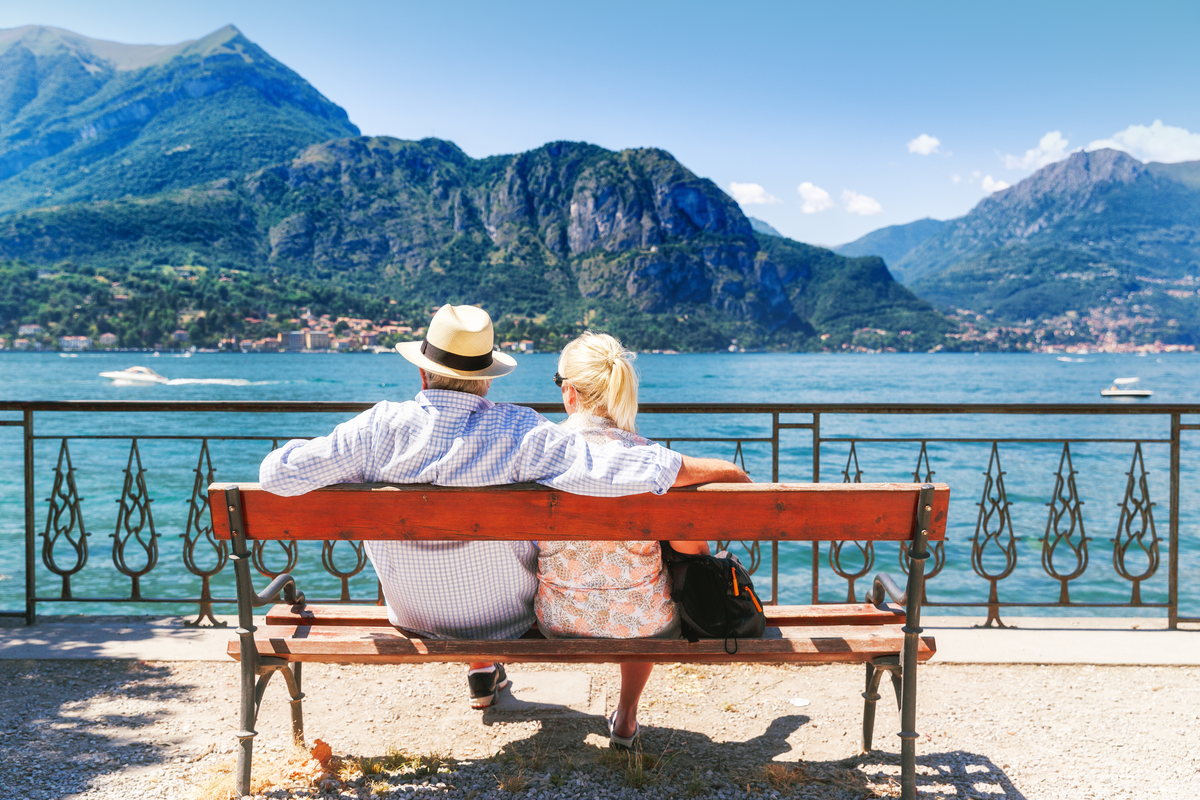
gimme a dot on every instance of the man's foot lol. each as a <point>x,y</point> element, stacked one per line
<point>485,685</point>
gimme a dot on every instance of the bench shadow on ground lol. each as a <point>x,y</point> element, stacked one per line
<point>697,764</point>
<point>43,727</point>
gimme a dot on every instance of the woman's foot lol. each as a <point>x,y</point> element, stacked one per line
<point>622,735</point>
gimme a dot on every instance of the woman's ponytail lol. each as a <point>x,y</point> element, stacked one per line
<point>602,373</point>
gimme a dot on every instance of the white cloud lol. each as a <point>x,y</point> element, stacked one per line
<point>815,198</point>
<point>1051,148</point>
<point>751,194</point>
<point>1156,142</point>
<point>860,204</point>
<point>924,145</point>
<point>991,185</point>
<point>955,178</point>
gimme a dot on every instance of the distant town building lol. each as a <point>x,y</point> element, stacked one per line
<point>21,344</point>
<point>29,330</point>
<point>342,345</point>
<point>179,336</point>
<point>509,346</point>
<point>369,338</point>
<point>228,344</point>
<point>526,346</point>
<point>74,343</point>
<point>108,340</point>
<point>292,340</point>
<point>3,344</point>
<point>316,340</point>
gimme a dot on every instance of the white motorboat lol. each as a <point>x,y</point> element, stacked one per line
<point>1123,387</point>
<point>137,375</point>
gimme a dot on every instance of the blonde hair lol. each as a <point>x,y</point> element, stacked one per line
<point>476,387</point>
<point>601,370</point>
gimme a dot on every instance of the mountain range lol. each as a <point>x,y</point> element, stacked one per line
<point>83,119</point>
<point>123,164</point>
<point>1099,239</point>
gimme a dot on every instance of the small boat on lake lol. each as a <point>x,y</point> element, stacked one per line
<point>138,375</point>
<point>1123,387</point>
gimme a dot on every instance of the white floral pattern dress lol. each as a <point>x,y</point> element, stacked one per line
<point>603,590</point>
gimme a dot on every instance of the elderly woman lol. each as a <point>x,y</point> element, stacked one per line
<point>617,589</point>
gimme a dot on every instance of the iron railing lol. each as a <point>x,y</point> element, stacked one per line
<point>995,550</point>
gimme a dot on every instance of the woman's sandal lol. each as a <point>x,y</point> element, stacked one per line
<point>621,742</point>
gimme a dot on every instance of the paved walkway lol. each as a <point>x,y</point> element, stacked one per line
<point>1031,640</point>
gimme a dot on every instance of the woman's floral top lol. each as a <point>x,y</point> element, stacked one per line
<point>604,590</point>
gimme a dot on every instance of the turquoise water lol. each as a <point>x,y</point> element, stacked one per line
<point>750,378</point>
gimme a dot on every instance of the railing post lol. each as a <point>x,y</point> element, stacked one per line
<point>775,479</point>
<point>30,537</point>
<point>816,478</point>
<point>1173,534</point>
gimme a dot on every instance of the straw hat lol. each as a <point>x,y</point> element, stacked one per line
<point>459,345</point>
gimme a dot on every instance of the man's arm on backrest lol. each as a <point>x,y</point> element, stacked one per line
<point>566,461</point>
<point>303,465</point>
<point>709,470</point>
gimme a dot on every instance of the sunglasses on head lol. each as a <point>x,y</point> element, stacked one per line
<point>558,380</point>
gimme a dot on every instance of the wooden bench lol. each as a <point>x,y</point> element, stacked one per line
<point>885,636</point>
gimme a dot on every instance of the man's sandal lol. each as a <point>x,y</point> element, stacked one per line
<point>621,742</point>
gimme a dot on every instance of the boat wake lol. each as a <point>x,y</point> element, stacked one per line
<point>217,382</point>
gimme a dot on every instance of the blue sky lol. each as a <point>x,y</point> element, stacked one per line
<point>819,110</point>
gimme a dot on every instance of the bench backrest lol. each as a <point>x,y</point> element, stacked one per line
<point>881,512</point>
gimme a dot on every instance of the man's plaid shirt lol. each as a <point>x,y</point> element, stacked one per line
<point>467,590</point>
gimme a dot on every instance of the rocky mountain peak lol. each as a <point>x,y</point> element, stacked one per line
<point>1074,180</point>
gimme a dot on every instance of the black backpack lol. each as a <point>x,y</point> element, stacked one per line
<point>715,596</point>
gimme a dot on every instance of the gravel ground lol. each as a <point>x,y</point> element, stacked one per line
<point>112,729</point>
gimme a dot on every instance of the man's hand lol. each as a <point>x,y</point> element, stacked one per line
<point>709,470</point>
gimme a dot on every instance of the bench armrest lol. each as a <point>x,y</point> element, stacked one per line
<point>283,584</point>
<point>886,584</point>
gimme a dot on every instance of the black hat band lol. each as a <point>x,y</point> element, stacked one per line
<point>453,360</point>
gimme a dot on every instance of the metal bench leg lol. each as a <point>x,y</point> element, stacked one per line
<point>249,712</point>
<point>869,697</point>
<point>912,639</point>
<point>248,649</point>
<point>291,674</point>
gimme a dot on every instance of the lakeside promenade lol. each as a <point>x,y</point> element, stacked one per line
<point>1052,708</point>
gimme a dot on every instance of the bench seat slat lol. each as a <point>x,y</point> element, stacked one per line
<point>777,616</point>
<point>386,645</point>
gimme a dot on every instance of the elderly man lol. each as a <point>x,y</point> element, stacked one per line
<point>450,435</point>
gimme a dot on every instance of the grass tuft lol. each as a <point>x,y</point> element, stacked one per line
<point>512,782</point>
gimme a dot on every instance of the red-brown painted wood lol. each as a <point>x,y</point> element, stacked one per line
<point>340,645</point>
<point>787,512</point>
<point>777,616</point>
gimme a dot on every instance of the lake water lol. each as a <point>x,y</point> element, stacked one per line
<point>750,378</point>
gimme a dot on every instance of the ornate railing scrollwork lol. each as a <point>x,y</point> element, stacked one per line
<point>753,549</point>
<point>330,564</point>
<point>1065,505</point>
<point>1137,520</point>
<point>993,524</point>
<point>199,530</point>
<point>64,522</point>
<point>133,520</point>
<point>258,557</point>
<point>938,550</point>
<point>865,549</point>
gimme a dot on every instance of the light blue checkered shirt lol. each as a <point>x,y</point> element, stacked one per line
<point>462,590</point>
